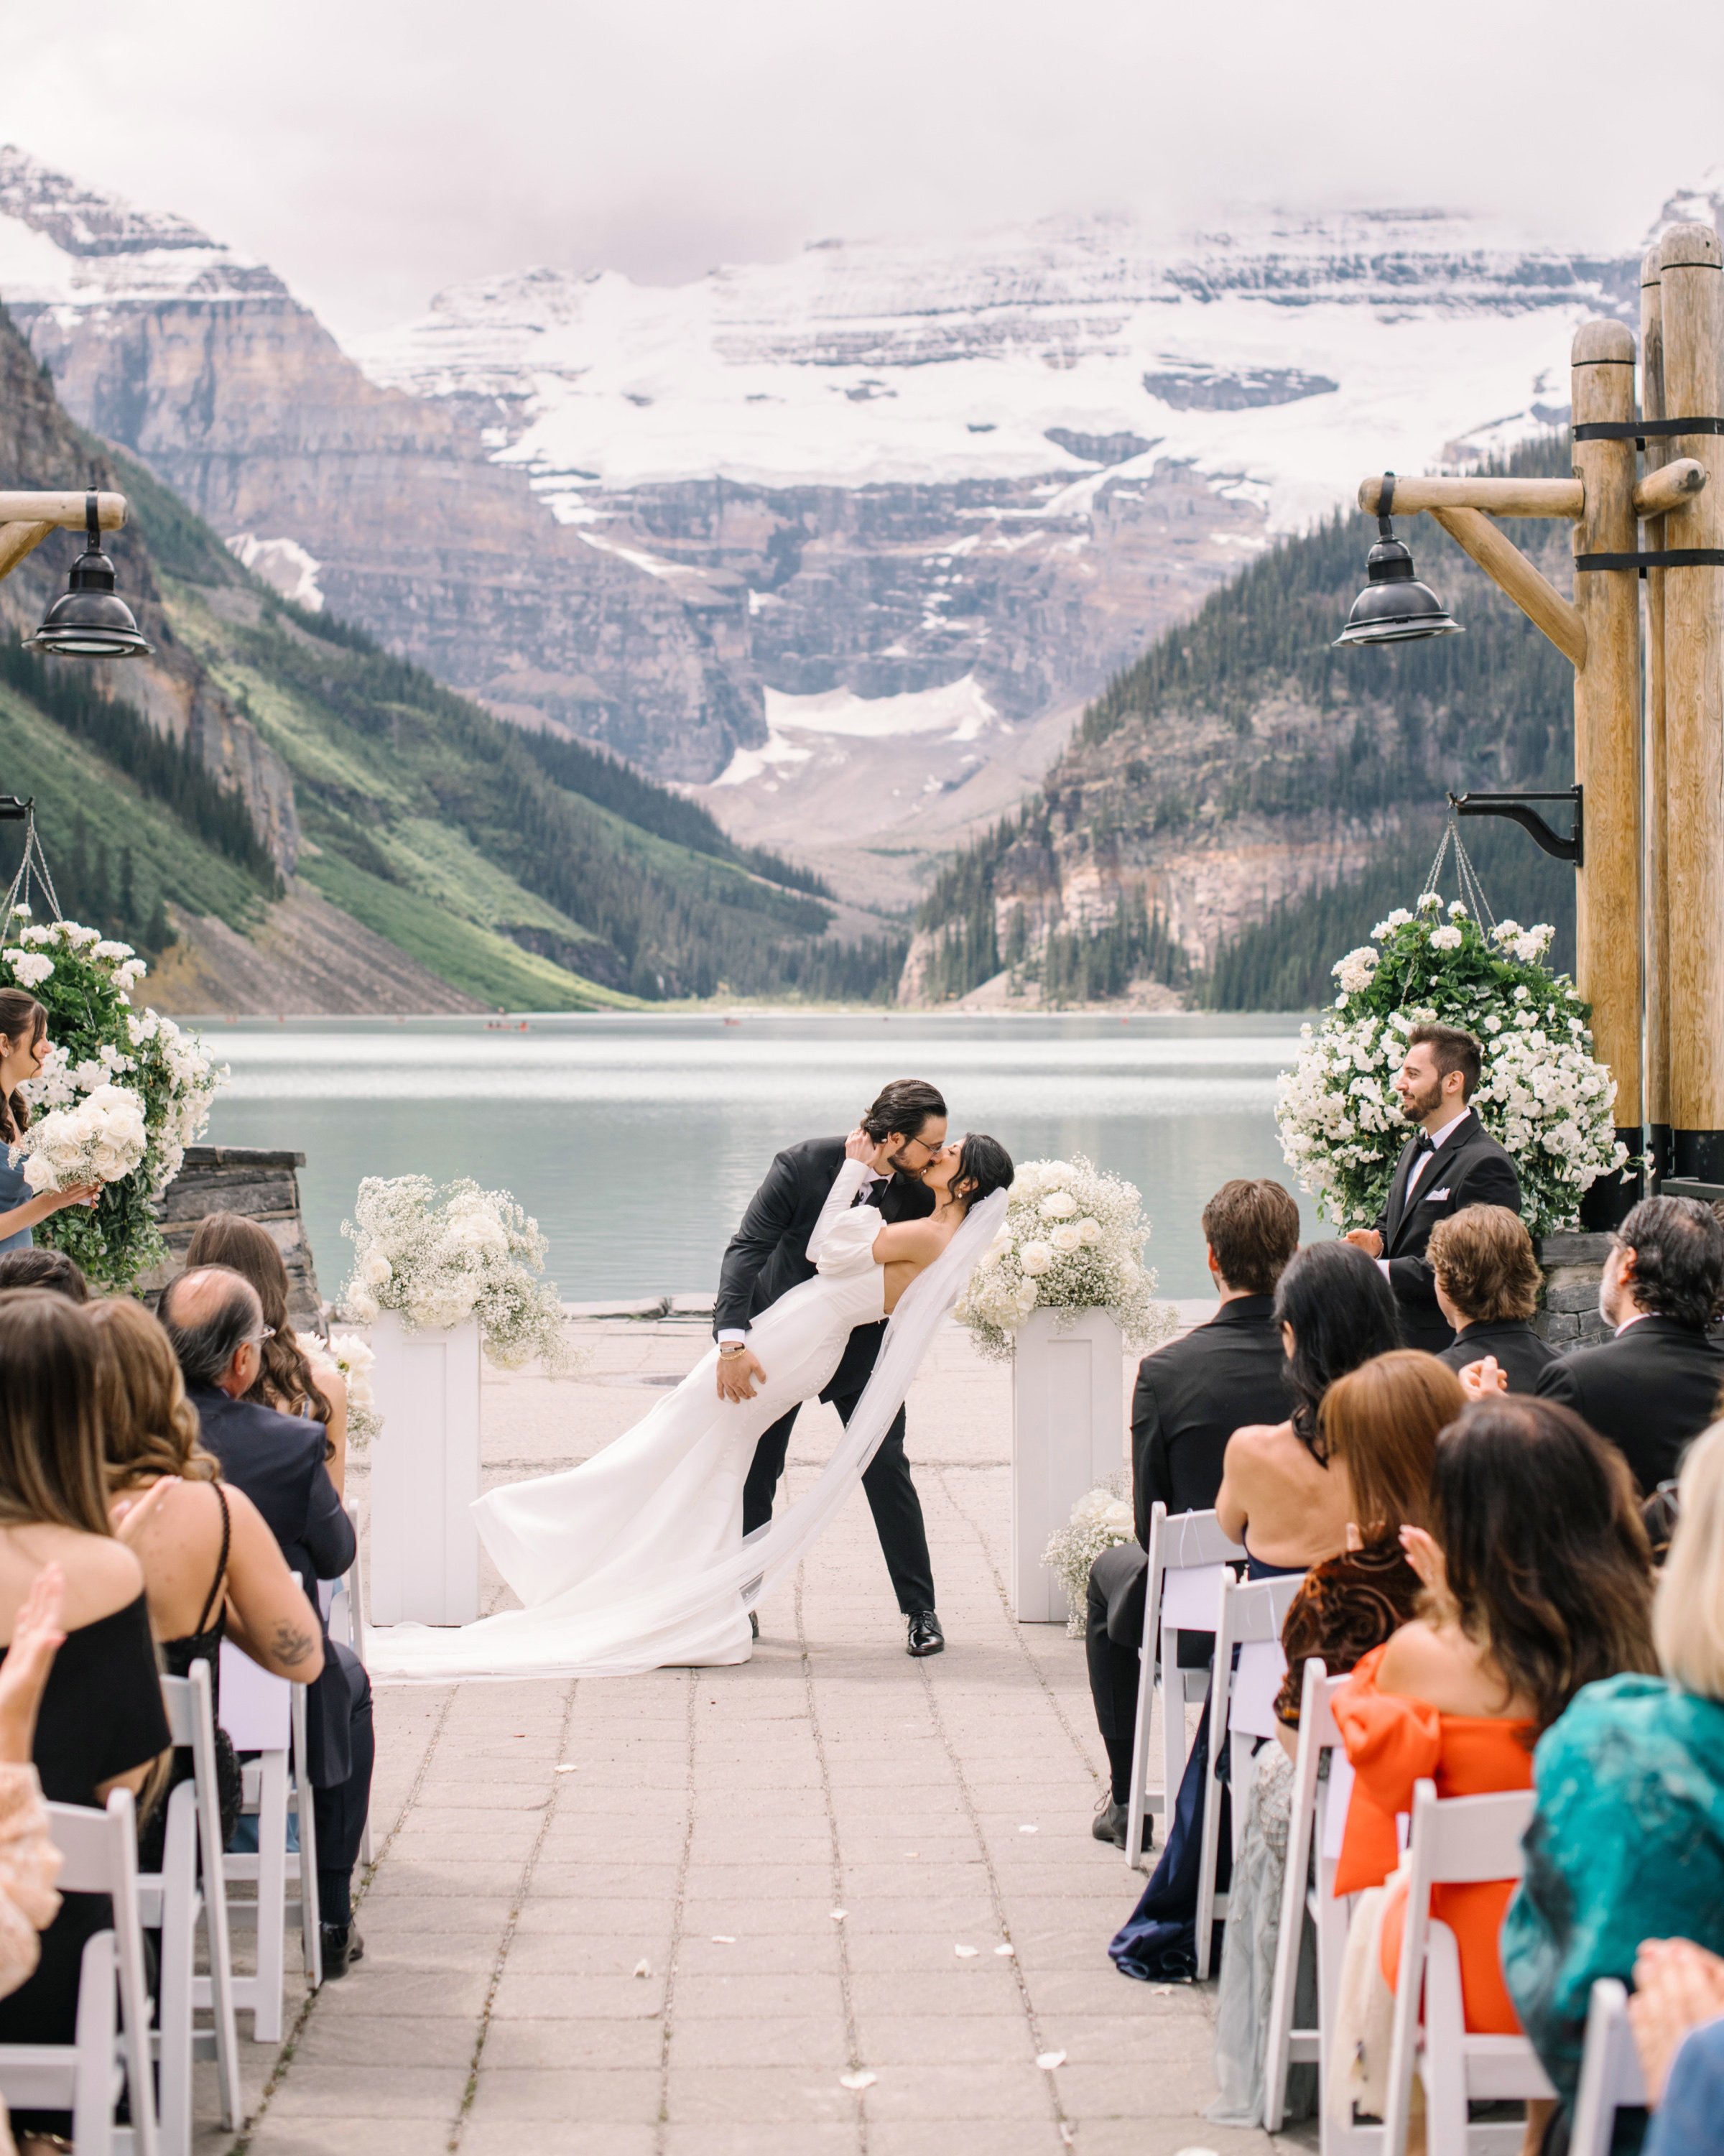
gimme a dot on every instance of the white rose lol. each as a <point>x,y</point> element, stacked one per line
<point>1035,1259</point>
<point>378,1269</point>
<point>1067,1238</point>
<point>1057,1205</point>
<point>1026,1296</point>
<point>361,1307</point>
<point>1089,1230</point>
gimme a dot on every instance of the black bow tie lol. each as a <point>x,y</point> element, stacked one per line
<point>1426,1144</point>
<point>868,1195</point>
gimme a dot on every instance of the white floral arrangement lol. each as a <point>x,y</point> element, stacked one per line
<point>1100,1518</point>
<point>437,1257</point>
<point>1072,1240</point>
<point>100,1140</point>
<point>354,1358</point>
<point>1544,1096</point>
<point>100,1044</point>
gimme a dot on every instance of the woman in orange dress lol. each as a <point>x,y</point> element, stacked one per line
<point>1538,1580</point>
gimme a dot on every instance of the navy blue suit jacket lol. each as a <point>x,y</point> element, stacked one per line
<point>278,1460</point>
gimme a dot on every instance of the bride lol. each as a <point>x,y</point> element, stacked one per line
<point>636,1559</point>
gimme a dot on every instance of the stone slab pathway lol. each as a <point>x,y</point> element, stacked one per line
<point>831,1901</point>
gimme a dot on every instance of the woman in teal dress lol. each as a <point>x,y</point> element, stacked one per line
<point>23,1048</point>
<point>1627,1843</point>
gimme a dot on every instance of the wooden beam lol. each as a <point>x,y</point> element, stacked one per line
<point>18,540</point>
<point>1543,605</point>
<point>1607,718</point>
<point>1657,908</point>
<point>65,510</point>
<point>1670,487</point>
<point>1501,497</point>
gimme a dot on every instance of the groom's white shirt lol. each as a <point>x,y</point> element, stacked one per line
<point>870,1177</point>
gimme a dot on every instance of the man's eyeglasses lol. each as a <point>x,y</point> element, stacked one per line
<point>257,1339</point>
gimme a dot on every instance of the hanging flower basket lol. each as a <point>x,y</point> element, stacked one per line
<point>1543,1096</point>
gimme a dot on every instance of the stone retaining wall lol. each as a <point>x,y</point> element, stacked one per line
<point>1573,1265</point>
<point>262,1184</point>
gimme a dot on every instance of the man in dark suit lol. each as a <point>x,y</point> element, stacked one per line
<point>767,1256</point>
<point>1486,1276</point>
<point>1654,1386</point>
<point>1191,1396</point>
<point>1453,1162</point>
<point>216,1323</point>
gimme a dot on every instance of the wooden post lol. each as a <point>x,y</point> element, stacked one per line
<point>1656,922</point>
<point>1607,738</point>
<point>1691,294</point>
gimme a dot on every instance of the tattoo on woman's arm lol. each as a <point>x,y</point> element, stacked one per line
<point>292,1646</point>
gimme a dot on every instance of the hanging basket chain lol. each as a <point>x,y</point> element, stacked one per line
<point>32,859</point>
<point>1466,876</point>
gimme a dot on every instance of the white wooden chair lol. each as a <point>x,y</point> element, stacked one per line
<point>266,1714</point>
<point>1187,1557</point>
<point>1314,1838</point>
<point>99,1853</point>
<point>343,1604</point>
<point>1610,2077</point>
<point>1249,1615</point>
<point>1455,1841</point>
<point>172,1901</point>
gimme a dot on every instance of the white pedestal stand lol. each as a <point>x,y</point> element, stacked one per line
<point>424,1475</point>
<point>1068,1434</point>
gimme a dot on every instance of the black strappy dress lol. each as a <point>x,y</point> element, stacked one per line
<point>203,1643</point>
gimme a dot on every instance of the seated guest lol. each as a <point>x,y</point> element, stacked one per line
<point>212,1567</point>
<point>1279,1497</point>
<point>215,1322</point>
<point>1539,1582</point>
<point>1191,1397</point>
<point>1656,1384</point>
<point>1452,1161</point>
<point>102,1724</point>
<point>1487,1281</point>
<point>23,1049</point>
<point>41,1266</point>
<point>1628,1841</point>
<point>1677,2015</point>
<point>287,1380</point>
<point>1379,1425</point>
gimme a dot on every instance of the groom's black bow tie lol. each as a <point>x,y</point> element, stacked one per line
<point>869,1195</point>
<point>1426,1144</point>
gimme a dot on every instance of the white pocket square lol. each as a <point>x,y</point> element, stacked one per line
<point>1436,1194</point>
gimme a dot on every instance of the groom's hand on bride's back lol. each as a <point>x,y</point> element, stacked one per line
<point>737,1374</point>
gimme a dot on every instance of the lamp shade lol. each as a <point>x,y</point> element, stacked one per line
<point>1394,607</point>
<point>90,620</point>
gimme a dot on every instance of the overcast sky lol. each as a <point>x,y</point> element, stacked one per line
<point>374,151</point>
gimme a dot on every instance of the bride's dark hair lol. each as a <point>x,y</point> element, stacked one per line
<point>983,1166</point>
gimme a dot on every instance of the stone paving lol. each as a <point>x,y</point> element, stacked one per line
<point>834,1900</point>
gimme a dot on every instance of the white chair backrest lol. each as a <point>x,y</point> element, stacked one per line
<point>1464,1839</point>
<point>1194,1556</point>
<point>1610,2076</point>
<point>88,1851</point>
<point>1250,1614</point>
<point>256,1706</point>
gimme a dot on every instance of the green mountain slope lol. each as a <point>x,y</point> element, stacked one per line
<point>267,758</point>
<point>1242,803</point>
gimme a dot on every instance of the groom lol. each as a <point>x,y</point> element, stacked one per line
<point>767,1256</point>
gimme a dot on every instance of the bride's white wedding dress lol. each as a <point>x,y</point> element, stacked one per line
<point>636,1559</point>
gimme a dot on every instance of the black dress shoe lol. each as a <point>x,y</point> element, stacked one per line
<point>925,1637</point>
<point>342,1946</point>
<point>1111,1822</point>
<point>753,1625</point>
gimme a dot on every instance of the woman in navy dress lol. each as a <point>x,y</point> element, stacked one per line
<point>23,1049</point>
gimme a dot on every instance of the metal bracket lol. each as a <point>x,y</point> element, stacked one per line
<point>1514,807</point>
<point>14,811</point>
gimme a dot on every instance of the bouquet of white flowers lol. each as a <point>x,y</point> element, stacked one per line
<point>1544,1095</point>
<point>354,1358</point>
<point>438,1257</point>
<point>100,1140</point>
<point>1072,1240</point>
<point>1099,1518</point>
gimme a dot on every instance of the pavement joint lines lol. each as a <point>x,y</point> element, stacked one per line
<point>692,1723</point>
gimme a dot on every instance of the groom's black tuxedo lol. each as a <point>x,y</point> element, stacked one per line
<point>1468,1169</point>
<point>767,1257</point>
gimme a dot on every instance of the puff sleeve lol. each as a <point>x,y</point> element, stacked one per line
<point>1392,1742</point>
<point>843,1236</point>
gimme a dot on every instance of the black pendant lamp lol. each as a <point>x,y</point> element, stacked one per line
<point>1394,607</point>
<point>90,620</point>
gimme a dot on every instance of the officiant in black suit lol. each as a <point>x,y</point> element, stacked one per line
<point>767,1256</point>
<point>1452,1163</point>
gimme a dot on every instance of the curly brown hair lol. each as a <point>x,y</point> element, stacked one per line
<point>246,1247</point>
<point>149,1428</point>
<point>1482,1257</point>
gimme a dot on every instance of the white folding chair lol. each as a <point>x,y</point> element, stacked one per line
<point>172,1901</point>
<point>1455,1841</point>
<point>1314,1837</point>
<point>1249,1615</point>
<point>266,1714</point>
<point>1610,2077</point>
<point>343,1602</point>
<point>100,1854</point>
<point>1187,1556</point>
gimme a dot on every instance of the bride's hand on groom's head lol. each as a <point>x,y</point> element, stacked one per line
<point>859,1146</point>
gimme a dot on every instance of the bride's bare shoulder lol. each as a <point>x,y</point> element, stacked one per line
<point>910,1242</point>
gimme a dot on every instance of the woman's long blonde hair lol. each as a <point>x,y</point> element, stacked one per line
<point>148,1426</point>
<point>1688,1614</point>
